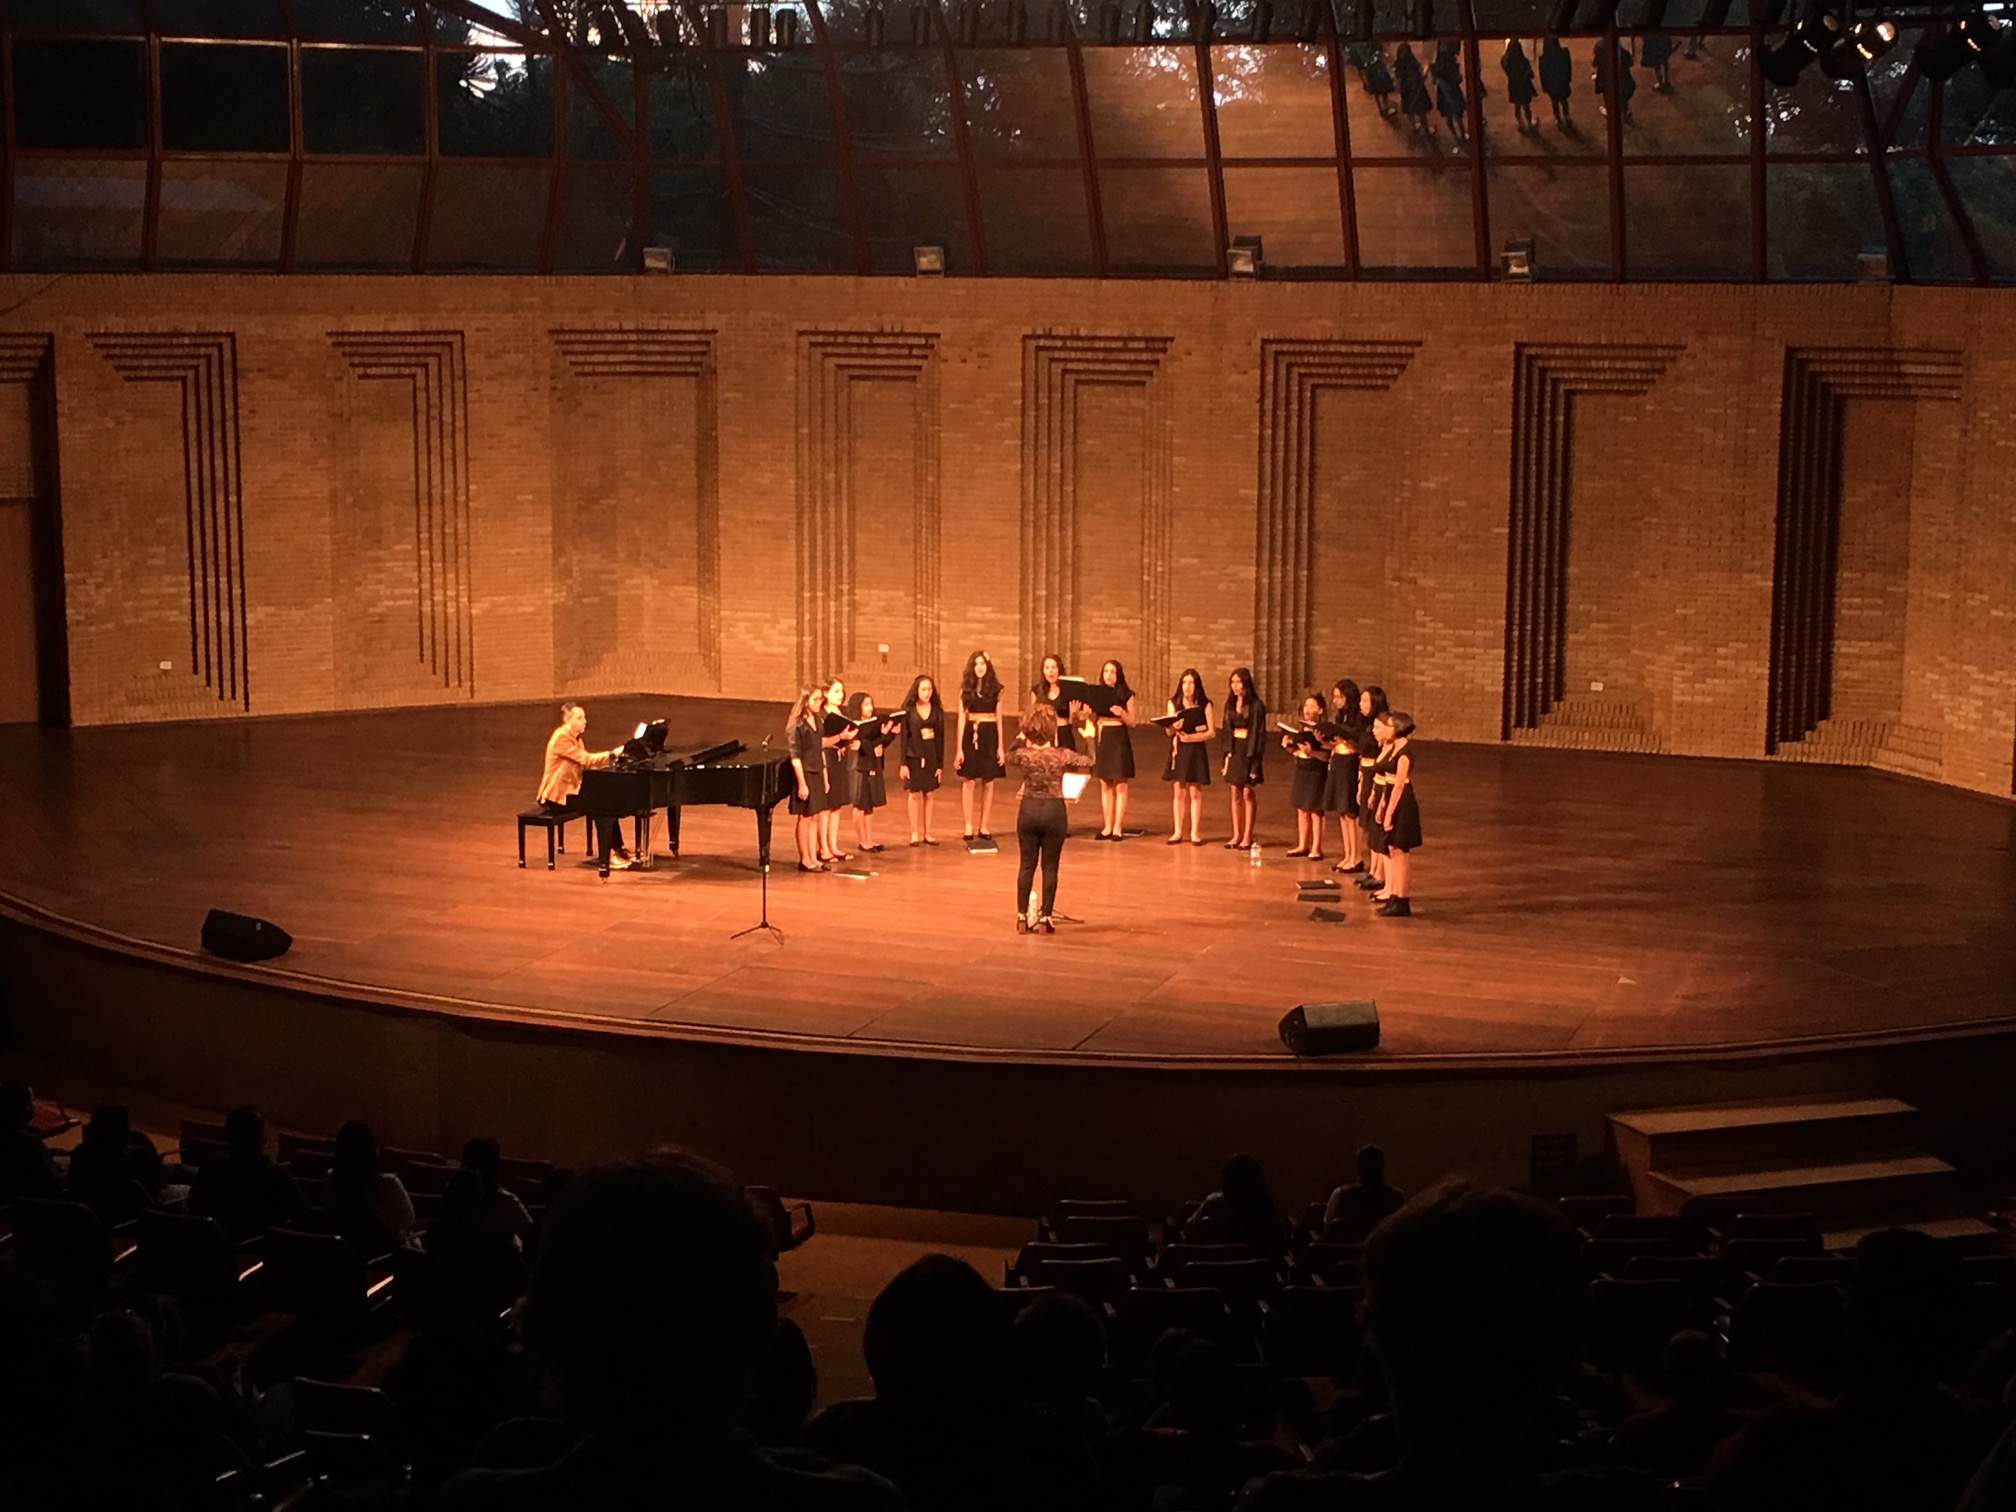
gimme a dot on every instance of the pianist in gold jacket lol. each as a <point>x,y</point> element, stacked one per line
<point>566,759</point>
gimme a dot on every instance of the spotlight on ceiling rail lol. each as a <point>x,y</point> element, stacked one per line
<point>1942,55</point>
<point>1812,38</point>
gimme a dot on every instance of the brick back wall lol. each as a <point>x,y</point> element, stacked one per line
<point>449,492</point>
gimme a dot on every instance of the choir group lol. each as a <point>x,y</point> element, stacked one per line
<point>1351,758</point>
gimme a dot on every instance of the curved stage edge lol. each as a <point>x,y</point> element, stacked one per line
<point>975,1129</point>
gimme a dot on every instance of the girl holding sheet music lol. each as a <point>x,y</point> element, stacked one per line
<point>837,736</point>
<point>1191,723</point>
<point>1049,690</point>
<point>1041,822</point>
<point>1340,791</point>
<point>1310,745</point>
<point>870,791</point>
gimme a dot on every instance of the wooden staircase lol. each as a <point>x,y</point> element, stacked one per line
<point>1852,1162</point>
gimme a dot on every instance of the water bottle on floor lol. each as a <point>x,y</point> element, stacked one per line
<point>1253,851</point>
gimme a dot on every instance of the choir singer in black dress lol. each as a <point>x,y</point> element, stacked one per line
<point>1048,691</point>
<point>808,771</point>
<point>1113,758</point>
<point>1310,746</point>
<point>1041,823</point>
<point>1399,815</point>
<point>871,735</point>
<point>1192,723</point>
<point>978,760</point>
<point>1245,752</point>
<point>921,754</point>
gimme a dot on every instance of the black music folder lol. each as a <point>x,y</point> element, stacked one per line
<point>1097,697</point>
<point>1189,721</point>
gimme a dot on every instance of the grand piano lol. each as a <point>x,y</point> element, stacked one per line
<point>644,778</point>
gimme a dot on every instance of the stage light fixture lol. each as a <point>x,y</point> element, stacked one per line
<point>1872,39</point>
<point>929,261</point>
<point>1515,263</point>
<point>1999,66</point>
<point>1812,38</point>
<point>658,260</point>
<point>1872,266</point>
<point>1980,31</point>
<point>1943,56</point>
<point>1244,258</point>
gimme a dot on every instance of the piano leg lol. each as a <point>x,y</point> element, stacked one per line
<point>640,832</point>
<point>672,829</point>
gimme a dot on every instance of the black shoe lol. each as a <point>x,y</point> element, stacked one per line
<point>1021,924</point>
<point>1369,884</point>
<point>1348,871</point>
<point>1044,926</point>
<point>804,868</point>
<point>1395,908</point>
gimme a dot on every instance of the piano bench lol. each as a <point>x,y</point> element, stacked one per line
<point>555,826</point>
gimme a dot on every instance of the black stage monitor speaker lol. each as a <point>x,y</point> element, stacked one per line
<point>1331,1028</point>
<point>240,937</point>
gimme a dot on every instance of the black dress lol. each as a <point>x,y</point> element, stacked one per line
<point>922,747</point>
<point>870,789</point>
<point>1311,774</point>
<point>1114,760</point>
<point>1518,77</point>
<point>1340,789</point>
<point>1067,738</point>
<point>1189,760</point>
<point>803,743</point>
<point>982,750</point>
<point>1368,821</point>
<point>1245,743</point>
<point>838,778</point>
<point>1404,832</point>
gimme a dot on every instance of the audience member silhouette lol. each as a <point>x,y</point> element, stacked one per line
<point>1354,1211</point>
<point>784,1389</point>
<point>1473,1302</point>
<point>1060,1355</point>
<point>651,1300</point>
<point>107,1169</point>
<point>242,1188</point>
<point>502,1212</point>
<point>1895,1440</point>
<point>1241,1211</point>
<point>479,1273</point>
<point>26,1169</point>
<point>1676,1440</point>
<point>361,1200</point>
<point>946,1423</point>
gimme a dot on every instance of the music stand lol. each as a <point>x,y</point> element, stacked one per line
<point>763,869</point>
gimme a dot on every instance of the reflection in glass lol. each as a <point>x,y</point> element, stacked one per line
<point>898,105</point>
<point>1380,128</point>
<point>797,220</point>
<point>487,217</point>
<point>1819,218</point>
<point>597,206</point>
<point>1564,211</point>
<point>223,99</point>
<point>692,214</point>
<point>1973,114</point>
<point>1415,223</point>
<point>363,99</point>
<point>357,215</point>
<point>1932,246</point>
<point>494,104</point>
<point>1018,104</point>
<point>908,207</point>
<point>1817,114</point>
<point>79,94</point>
<point>78,213</point>
<point>684,126</point>
<point>1143,102</point>
<point>1294,211</point>
<point>589,138</point>
<point>221,213</point>
<point>1035,219</point>
<point>1158,220</point>
<point>1706,109</point>
<point>1687,222</point>
<point>1273,101</point>
<point>1987,187</point>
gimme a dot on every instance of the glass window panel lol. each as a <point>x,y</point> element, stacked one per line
<point>220,213</point>
<point>1932,246</point>
<point>1972,114</point>
<point>357,215</point>
<point>1292,210</point>
<point>1273,101</point>
<point>1516,16</point>
<point>1987,188</point>
<point>1912,123</point>
<point>1143,102</point>
<point>1565,211</point>
<point>357,21</point>
<point>363,100</point>
<point>77,15</point>
<point>487,217</point>
<point>898,105</point>
<point>494,104</point>
<point>910,207</point>
<point>1687,222</point>
<point>588,135</point>
<point>1018,104</point>
<point>1036,220</point>
<point>1706,109</point>
<point>692,214</point>
<point>1819,218</point>
<point>80,94</point>
<point>1415,223</point>
<point>1158,220</point>
<point>783,112</point>
<point>1887,76</point>
<point>70,213</point>
<point>223,99</point>
<point>1378,126</point>
<point>597,206</point>
<point>683,123</point>
<point>797,221</point>
<point>1817,114</point>
<point>220,18</point>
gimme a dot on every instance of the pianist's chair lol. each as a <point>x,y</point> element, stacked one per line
<point>555,826</point>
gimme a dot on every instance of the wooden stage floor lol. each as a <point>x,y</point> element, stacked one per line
<point>1567,904</point>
